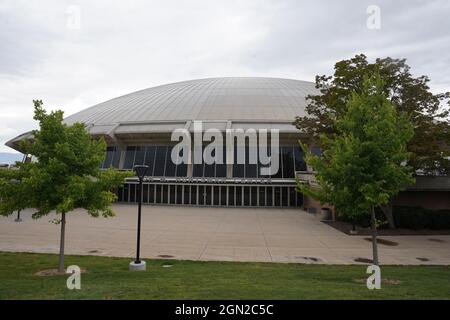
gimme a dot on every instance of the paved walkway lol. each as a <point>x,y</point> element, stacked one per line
<point>194,233</point>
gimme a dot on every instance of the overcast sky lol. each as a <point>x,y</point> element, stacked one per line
<point>76,54</point>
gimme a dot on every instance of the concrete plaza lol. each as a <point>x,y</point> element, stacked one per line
<point>205,233</point>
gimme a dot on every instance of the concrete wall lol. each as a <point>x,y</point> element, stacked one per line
<point>434,200</point>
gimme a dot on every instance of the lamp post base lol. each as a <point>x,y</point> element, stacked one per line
<point>133,266</point>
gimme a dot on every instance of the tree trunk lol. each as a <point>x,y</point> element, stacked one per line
<point>387,210</point>
<point>374,238</point>
<point>61,243</point>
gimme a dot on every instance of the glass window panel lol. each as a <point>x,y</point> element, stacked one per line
<point>129,158</point>
<point>250,169</point>
<point>170,166</point>
<point>139,156</point>
<point>150,159</point>
<point>198,170</point>
<point>160,159</point>
<point>300,164</point>
<point>279,174</point>
<point>268,151</point>
<point>108,157</point>
<point>288,162</point>
<point>181,170</point>
<point>316,151</point>
<point>221,169</point>
<point>210,170</point>
<point>238,169</point>
<point>116,157</point>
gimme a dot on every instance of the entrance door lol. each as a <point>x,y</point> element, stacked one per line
<point>208,195</point>
<point>238,198</point>
<point>231,196</point>
<point>201,195</point>
<point>194,195</point>
<point>216,195</point>
<point>277,196</point>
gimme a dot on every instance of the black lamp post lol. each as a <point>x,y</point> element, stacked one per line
<point>139,265</point>
<point>18,219</point>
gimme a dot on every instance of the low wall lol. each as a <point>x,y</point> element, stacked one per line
<point>433,200</point>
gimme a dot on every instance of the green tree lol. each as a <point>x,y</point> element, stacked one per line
<point>430,145</point>
<point>65,176</point>
<point>364,162</point>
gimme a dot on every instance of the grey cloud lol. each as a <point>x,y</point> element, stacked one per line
<point>123,46</point>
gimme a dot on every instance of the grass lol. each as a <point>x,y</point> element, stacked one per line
<point>109,278</point>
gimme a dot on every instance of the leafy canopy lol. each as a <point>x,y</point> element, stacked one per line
<point>363,163</point>
<point>66,175</point>
<point>430,145</point>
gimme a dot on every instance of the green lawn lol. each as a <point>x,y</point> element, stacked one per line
<point>109,278</point>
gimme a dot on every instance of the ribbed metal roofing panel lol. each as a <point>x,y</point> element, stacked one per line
<point>265,99</point>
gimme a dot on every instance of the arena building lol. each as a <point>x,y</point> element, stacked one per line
<point>138,128</point>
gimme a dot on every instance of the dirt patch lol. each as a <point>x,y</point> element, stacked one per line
<point>383,281</point>
<point>53,272</point>
<point>423,259</point>
<point>383,242</point>
<point>313,259</point>
<point>49,273</point>
<point>363,260</point>
<point>346,227</point>
<point>165,256</point>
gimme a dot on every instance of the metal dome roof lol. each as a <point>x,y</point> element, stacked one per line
<point>238,99</point>
<point>221,103</point>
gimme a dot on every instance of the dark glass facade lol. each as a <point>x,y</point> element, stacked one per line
<point>112,158</point>
<point>158,158</point>
<point>213,195</point>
